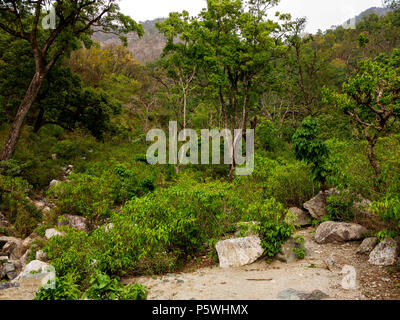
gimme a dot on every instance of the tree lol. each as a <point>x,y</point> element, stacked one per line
<point>371,98</point>
<point>76,20</point>
<point>310,148</point>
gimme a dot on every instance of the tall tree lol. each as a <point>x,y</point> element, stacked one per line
<point>75,21</point>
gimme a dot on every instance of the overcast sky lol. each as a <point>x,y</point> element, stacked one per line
<point>321,14</point>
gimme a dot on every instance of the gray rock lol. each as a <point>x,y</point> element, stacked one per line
<point>239,252</point>
<point>75,222</point>
<point>367,245</point>
<point>301,218</point>
<point>41,255</point>
<point>328,232</point>
<point>291,294</point>
<point>385,253</point>
<point>8,285</point>
<point>287,254</point>
<point>317,205</point>
<point>12,247</point>
<point>3,221</point>
<point>361,208</point>
<point>8,271</point>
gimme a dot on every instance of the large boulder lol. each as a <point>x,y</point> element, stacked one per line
<point>37,273</point>
<point>239,252</point>
<point>301,218</point>
<point>75,222</point>
<point>367,245</point>
<point>317,205</point>
<point>328,232</point>
<point>12,247</point>
<point>385,253</point>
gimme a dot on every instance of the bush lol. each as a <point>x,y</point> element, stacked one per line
<point>340,207</point>
<point>273,229</point>
<point>15,204</point>
<point>65,289</point>
<point>105,288</point>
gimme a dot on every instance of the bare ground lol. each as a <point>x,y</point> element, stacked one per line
<point>264,280</point>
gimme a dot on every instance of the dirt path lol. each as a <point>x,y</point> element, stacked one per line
<point>264,281</point>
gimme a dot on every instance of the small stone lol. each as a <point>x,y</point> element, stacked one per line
<point>41,255</point>
<point>301,218</point>
<point>76,222</point>
<point>54,182</point>
<point>367,245</point>
<point>291,294</point>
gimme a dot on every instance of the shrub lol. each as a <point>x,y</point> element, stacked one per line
<point>388,209</point>
<point>16,205</point>
<point>340,207</point>
<point>273,229</point>
<point>105,288</point>
<point>65,289</point>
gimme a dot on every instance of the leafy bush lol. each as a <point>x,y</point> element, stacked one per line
<point>340,207</point>
<point>388,210</point>
<point>65,289</point>
<point>16,206</point>
<point>273,228</point>
<point>105,288</point>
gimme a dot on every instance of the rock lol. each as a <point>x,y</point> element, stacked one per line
<point>108,227</point>
<point>287,254</point>
<point>385,253</point>
<point>38,273</point>
<point>246,229</point>
<point>3,221</point>
<point>24,259</point>
<point>301,218</point>
<point>3,258</point>
<point>40,205</point>
<point>349,281</point>
<point>54,156</point>
<point>54,182</point>
<point>367,246</point>
<point>331,261</point>
<point>328,232</point>
<point>317,205</point>
<point>8,285</point>
<point>75,222</point>
<point>8,271</point>
<point>41,255</point>
<point>291,294</point>
<point>50,233</point>
<point>12,247</point>
<point>239,252</point>
<point>361,208</point>
<point>32,238</point>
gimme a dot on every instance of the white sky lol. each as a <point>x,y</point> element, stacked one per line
<point>321,14</point>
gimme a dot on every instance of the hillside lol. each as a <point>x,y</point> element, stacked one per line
<point>374,10</point>
<point>146,49</point>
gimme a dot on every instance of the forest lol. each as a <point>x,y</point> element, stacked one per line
<point>77,191</point>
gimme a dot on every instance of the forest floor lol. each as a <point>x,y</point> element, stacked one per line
<point>265,280</point>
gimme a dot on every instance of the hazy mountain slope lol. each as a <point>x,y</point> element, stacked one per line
<point>146,49</point>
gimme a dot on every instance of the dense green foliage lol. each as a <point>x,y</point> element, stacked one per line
<point>325,110</point>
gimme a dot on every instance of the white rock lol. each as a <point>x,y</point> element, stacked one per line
<point>367,245</point>
<point>50,233</point>
<point>384,254</point>
<point>54,182</point>
<point>40,272</point>
<point>239,252</point>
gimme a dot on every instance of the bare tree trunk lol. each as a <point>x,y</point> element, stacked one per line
<point>16,128</point>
